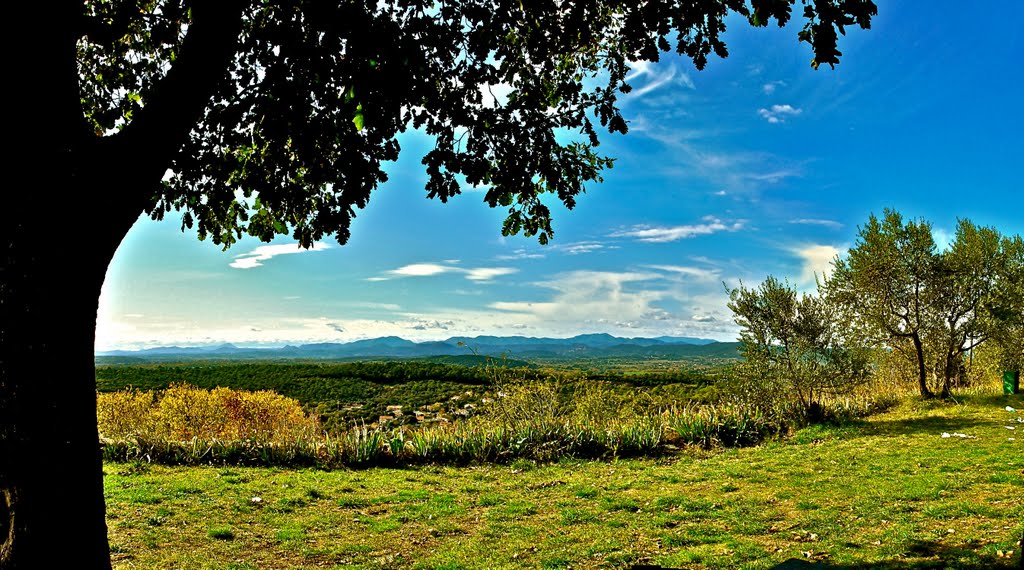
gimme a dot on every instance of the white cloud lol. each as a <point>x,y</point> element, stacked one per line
<point>579,247</point>
<point>256,257</point>
<point>496,95</point>
<point>817,222</point>
<point>479,274</point>
<point>589,297</point>
<point>378,306</point>
<point>519,254</point>
<point>771,86</point>
<point>426,325</point>
<point>943,239</point>
<point>662,234</point>
<point>488,273</point>
<point>421,270</point>
<point>817,261</point>
<point>778,113</point>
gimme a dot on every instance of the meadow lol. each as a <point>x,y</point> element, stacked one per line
<point>886,491</point>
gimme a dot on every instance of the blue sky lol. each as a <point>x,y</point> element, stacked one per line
<point>757,165</point>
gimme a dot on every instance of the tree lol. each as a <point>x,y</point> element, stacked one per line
<point>977,290</point>
<point>935,305</point>
<point>793,346</point>
<point>273,117</point>
<point>886,283</point>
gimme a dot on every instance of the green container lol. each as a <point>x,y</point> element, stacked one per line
<point>1011,382</point>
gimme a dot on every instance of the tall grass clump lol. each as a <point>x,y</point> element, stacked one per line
<point>722,425</point>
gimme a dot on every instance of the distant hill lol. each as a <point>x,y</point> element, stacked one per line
<point>581,346</point>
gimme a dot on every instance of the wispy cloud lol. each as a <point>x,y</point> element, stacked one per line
<point>778,113</point>
<point>662,234</point>
<point>256,257</point>
<point>519,254</point>
<point>817,222</point>
<point>693,153</point>
<point>655,76</point>
<point>580,247</point>
<point>378,306</point>
<point>698,273</point>
<point>770,87</point>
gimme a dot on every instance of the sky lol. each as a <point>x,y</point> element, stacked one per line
<point>756,166</point>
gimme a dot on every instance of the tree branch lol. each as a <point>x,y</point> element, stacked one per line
<point>176,106</point>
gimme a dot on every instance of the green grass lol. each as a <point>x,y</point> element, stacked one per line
<point>886,492</point>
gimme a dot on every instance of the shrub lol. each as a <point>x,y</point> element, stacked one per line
<point>182,413</point>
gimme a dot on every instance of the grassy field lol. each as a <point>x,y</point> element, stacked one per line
<point>889,492</point>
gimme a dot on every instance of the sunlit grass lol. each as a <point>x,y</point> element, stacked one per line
<point>885,492</point>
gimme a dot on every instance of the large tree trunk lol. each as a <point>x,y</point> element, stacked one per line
<point>62,228</point>
<point>57,243</point>
<point>51,480</point>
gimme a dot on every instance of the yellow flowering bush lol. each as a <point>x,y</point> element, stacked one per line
<point>125,414</point>
<point>183,412</point>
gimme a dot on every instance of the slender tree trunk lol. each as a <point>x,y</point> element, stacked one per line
<point>922,373</point>
<point>948,374</point>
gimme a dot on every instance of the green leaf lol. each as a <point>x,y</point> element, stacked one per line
<point>358,117</point>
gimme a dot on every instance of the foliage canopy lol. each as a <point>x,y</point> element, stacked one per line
<point>794,347</point>
<point>312,95</point>
<point>903,292</point>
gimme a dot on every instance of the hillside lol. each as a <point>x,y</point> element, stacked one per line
<point>581,346</point>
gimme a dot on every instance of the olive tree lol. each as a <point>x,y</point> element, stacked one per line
<point>933,305</point>
<point>886,283</point>
<point>268,117</point>
<point>977,285</point>
<point>795,350</point>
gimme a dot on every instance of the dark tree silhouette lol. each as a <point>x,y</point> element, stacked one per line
<point>273,117</point>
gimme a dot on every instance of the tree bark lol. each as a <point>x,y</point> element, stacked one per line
<point>922,373</point>
<point>51,480</point>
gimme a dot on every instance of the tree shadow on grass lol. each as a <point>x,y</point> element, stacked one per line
<point>932,425</point>
<point>921,554</point>
<point>936,424</point>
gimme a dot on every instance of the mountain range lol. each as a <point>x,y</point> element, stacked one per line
<point>581,346</point>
